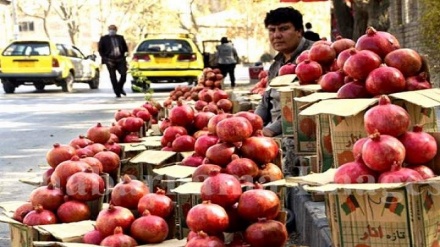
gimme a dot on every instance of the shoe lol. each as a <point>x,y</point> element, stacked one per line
<point>118,96</point>
<point>123,92</point>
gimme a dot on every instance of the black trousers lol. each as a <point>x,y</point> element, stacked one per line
<point>228,69</point>
<point>121,68</point>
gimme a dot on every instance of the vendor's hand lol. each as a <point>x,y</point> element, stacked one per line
<point>267,132</point>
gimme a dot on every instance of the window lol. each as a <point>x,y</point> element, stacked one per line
<point>168,45</point>
<point>26,26</point>
<point>26,49</point>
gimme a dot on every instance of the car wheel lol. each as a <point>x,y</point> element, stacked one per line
<point>94,83</point>
<point>8,87</point>
<point>39,86</point>
<point>67,84</point>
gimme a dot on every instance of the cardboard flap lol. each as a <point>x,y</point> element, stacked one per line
<point>176,171</point>
<point>166,243</point>
<point>150,139</point>
<point>308,87</point>
<point>188,188</point>
<point>68,232</point>
<point>186,154</point>
<point>314,178</point>
<point>283,80</point>
<point>6,219</point>
<point>130,147</point>
<point>154,157</point>
<point>316,97</point>
<point>345,187</point>
<point>425,98</point>
<point>281,182</point>
<point>339,107</point>
<point>11,206</point>
<point>37,180</point>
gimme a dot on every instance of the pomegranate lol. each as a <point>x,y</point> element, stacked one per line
<point>355,172</point>
<point>132,124</point>
<point>119,114</point>
<point>308,72</point>
<point>181,115</point>
<point>59,153</point>
<point>108,219</point>
<point>84,152</point>
<point>269,172</point>
<point>211,107</point>
<point>387,118</point>
<point>131,138</point>
<point>109,160</point>
<point>208,217</point>
<point>286,69</point>
<point>261,149</point>
<point>420,146</point>
<point>361,63</point>
<point>85,186</point>
<point>417,82</point>
<point>353,90</point>
<point>94,163</point>
<point>202,172</point>
<point>378,42</point>
<point>423,170</point>
<point>225,104</point>
<point>73,211</point>
<point>93,237</point>
<point>238,241</point>
<point>80,141</point>
<point>381,151</point>
<point>201,119</point>
<point>385,80</point>
<point>357,146</point>
<point>192,234</point>
<point>234,129</point>
<point>266,233</point>
<point>219,94</point>
<point>117,130</point>
<point>206,95</point>
<point>119,239</point>
<point>152,108</point>
<point>341,44</point>
<point>203,240</point>
<point>163,124</point>
<point>406,60</point>
<point>304,55</point>
<point>49,197</point>
<point>98,133</point>
<point>342,57</point>
<point>258,203</point>
<point>144,115</point>
<point>193,160</point>
<point>242,167</point>
<point>170,133</point>
<point>157,204</point>
<point>114,147</point>
<point>200,104</point>
<point>255,120</point>
<point>332,81</point>
<point>128,192</point>
<point>149,228</point>
<point>204,142</point>
<point>220,153</point>
<point>39,216</point>
<point>220,188</point>
<point>113,138</point>
<point>46,176</point>
<point>236,222</point>
<point>22,211</point>
<point>212,124</point>
<point>399,174</point>
<point>66,169</point>
<point>183,143</point>
<point>322,53</point>
<point>96,148</point>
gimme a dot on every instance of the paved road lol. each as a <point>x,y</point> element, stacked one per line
<point>31,122</point>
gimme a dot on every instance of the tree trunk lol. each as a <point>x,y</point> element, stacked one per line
<point>360,10</point>
<point>378,14</point>
<point>344,18</point>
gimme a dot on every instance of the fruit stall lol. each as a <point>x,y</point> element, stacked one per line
<point>195,169</point>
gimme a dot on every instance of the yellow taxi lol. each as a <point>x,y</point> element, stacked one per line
<point>165,58</point>
<point>41,63</point>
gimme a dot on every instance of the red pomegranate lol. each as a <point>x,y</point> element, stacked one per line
<point>240,167</point>
<point>361,63</point>
<point>66,169</point>
<point>322,53</point>
<point>208,217</point>
<point>49,197</point>
<point>149,228</point>
<point>204,142</point>
<point>212,124</point>
<point>341,44</point>
<point>94,163</point>
<point>221,188</point>
<point>181,115</point>
<point>128,192</point>
<point>144,115</point>
<point>22,211</point>
<point>406,60</point>
<point>357,146</point>
<point>225,104</point>
<point>236,222</point>
<point>114,147</point>
<point>39,216</point>
<point>93,237</point>
<point>200,104</point>
<point>385,80</point>
<point>378,42</point>
<point>59,153</point>
<point>219,94</point>
<point>355,172</point>
<point>420,146</point>
<point>386,118</point>
<point>258,203</point>
<point>183,143</point>
<point>80,141</point>
<point>353,90</point>
<point>193,160</point>
<point>255,120</point>
<point>342,57</point>
<point>73,211</point>
<point>202,172</point>
<point>96,148</point>
<point>163,124</point>
<point>234,129</point>
<point>157,204</point>
<point>417,82</point>
<point>220,153</point>
<point>266,233</point>
<point>399,174</point>
<point>332,81</point>
<point>132,124</point>
<point>109,160</point>
<point>119,114</point>
<point>170,133</point>
<point>201,119</point>
<point>423,170</point>
<point>261,149</point>
<point>304,55</point>
<point>119,239</point>
<point>98,133</point>
<point>85,186</point>
<point>269,172</point>
<point>308,72</point>
<point>116,129</point>
<point>381,151</point>
<point>203,240</point>
<point>287,69</point>
<point>112,217</point>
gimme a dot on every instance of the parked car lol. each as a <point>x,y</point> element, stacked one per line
<point>41,63</point>
<point>165,59</point>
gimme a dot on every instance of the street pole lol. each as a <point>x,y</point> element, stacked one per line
<point>15,30</point>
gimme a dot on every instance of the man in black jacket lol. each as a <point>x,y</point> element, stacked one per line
<point>113,49</point>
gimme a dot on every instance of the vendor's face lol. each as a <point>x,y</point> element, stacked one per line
<point>284,37</point>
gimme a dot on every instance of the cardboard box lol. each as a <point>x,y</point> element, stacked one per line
<point>171,177</point>
<point>129,150</point>
<point>166,243</point>
<point>151,142</point>
<point>345,117</point>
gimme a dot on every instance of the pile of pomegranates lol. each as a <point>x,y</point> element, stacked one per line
<point>261,85</point>
<point>391,153</point>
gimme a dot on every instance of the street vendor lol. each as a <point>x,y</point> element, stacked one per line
<point>285,26</point>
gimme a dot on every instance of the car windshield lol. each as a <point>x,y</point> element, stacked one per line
<point>167,45</point>
<point>27,49</point>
